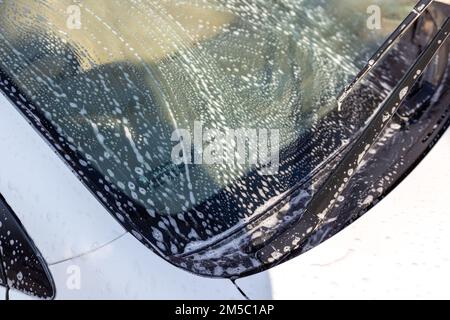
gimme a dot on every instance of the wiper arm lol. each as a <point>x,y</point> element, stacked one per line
<point>418,10</point>
<point>327,196</point>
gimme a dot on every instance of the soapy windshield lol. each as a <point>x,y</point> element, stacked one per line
<point>172,110</point>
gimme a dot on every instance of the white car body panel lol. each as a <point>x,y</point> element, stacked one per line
<point>397,250</point>
<point>125,269</point>
<point>60,214</point>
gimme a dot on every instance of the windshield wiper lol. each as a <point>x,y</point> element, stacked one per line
<point>418,10</point>
<point>327,196</point>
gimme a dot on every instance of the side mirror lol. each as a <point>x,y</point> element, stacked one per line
<point>21,265</point>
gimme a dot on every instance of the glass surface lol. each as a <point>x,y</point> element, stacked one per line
<point>122,82</point>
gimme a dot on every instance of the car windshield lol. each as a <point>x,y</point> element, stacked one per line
<point>185,118</point>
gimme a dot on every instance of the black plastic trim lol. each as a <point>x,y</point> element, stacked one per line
<point>22,264</point>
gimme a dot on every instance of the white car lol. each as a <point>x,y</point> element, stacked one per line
<point>200,149</point>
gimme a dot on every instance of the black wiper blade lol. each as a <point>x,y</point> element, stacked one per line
<point>282,246</point>
<point>418,10</point>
